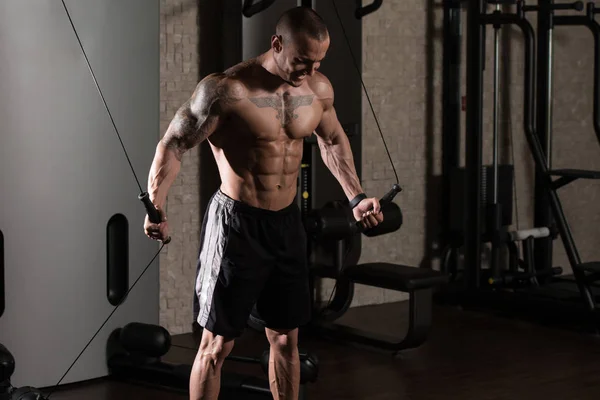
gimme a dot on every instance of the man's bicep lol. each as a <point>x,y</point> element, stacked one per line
<point>187,130</point>
<point>329,126</point>
<point>196,119</point>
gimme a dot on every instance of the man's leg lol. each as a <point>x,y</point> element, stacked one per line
<point>284,364</point>
<point>205,379</point>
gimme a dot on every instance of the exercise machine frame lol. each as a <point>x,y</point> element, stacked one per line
<point>539,285</point>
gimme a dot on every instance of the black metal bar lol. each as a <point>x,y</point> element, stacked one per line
<point>589,22</point>
<point>341,302</point>
<point>542,214</point>
<point>513,257</point>
<point>529,47</point>
<point>494,208</point>
<point>528,255</point>
<point>494,216</point>
<point>368,9</point>
<point>251,8</point>
<point>532,277</point>
<point>421,305</point>
<point>420,319</point>
<point>176,376</point>
<point>474,143</point>
<point>451,105</point>
<point>562,181</point>
<point>338,256</point>
<point>577,5</point>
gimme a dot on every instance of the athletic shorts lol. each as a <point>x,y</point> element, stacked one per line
<point>251,258</point>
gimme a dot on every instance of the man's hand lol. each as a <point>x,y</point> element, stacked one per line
<point>157,231</point>
<point>368,211</point>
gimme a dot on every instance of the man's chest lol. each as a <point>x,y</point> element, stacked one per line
<point>271,115</point>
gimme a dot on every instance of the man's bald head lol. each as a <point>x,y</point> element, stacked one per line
<point>303,21</point>
<point>299,45</point>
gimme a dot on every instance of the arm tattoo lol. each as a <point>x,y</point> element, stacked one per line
<point>285,105</point>
<point>199,117</point>
<point>183,132</point>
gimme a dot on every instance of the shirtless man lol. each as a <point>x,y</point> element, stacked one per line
<point>255,116</point>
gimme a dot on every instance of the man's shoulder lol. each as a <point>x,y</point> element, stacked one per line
<point>242,68</point>
<point>234,81</point>
<point>221,86</point>
<point>216,90</point>
<point>321,86</point>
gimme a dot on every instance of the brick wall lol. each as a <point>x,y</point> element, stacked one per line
<point>178,78</point>
<point>402,71</point>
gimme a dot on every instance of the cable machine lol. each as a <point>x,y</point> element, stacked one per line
<point>527,283</point>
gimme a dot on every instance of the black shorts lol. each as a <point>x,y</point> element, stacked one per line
<point>251,257</point>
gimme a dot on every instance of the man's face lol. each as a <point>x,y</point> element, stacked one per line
<point>299,57</point>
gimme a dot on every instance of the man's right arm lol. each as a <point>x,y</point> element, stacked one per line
<point>194,122</point>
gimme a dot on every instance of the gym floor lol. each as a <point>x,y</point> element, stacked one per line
<point>469,355</point>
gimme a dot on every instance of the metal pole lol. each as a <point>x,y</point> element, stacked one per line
<point>451,104</point>
<point>495,112</point>
<point>474,143</point>
<point>494,220</point>
<point>549,98</point>
<point>543,216</point>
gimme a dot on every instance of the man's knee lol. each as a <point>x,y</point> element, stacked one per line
<point>214,349</point>
<point>283,341</point>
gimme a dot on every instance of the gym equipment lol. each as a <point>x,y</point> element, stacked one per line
<point>251,8</point>
<point>529,284</point>
<point>368,9</point>
<point>335,223</point>
<point>134,355</point>
<point>7,391</point>
<point>7,364</point>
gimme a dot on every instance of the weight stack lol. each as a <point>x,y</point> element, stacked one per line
<point>458,192</point>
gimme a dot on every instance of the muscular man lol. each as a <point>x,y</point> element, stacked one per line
<point>255,116</point>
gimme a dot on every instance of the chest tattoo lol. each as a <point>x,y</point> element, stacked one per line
<point>284,104</point>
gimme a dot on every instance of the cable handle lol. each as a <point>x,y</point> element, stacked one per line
<point>153,213</point>
<point>385,200</point>
<point>389,196</point>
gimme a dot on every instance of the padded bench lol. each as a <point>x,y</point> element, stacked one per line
<point>418,282</point>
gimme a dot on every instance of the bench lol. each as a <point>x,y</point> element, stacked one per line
<point>418,282</point>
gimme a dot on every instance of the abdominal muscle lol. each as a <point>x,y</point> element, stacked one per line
<point>260,172</point>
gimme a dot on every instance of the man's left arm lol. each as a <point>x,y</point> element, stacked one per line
<point>337,156</point>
